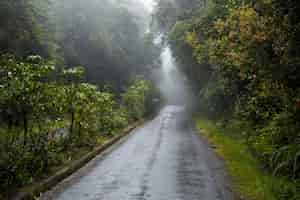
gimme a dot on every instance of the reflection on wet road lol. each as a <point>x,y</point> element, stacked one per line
<point>164,160</point>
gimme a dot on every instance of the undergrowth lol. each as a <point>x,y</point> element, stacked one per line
<point>249,179</point>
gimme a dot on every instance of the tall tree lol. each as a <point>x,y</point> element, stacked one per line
<point>23,28</point>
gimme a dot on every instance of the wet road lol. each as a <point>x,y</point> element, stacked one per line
<point>163,160</point>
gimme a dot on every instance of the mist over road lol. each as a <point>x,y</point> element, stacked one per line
<point>163,160</point>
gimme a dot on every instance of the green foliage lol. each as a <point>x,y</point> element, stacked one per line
<point>68,31</point>
<point>50,110</point>
<point>119,119</point>
<point>23,28</point>
<point>215,101</point>
<point>22,89</point>
<point>57,116</point>
<point>111,44</point>
<point>250,181</point>
<point>250,48</point>
<point>135,98</point>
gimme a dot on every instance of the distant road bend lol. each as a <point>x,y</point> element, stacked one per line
<point>163,160</point>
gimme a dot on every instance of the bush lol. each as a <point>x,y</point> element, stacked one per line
<point>134,99</point>
<point>33,105</point>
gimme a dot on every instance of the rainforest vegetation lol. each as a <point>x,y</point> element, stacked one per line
<point>242,59</point>
<point>72,75</point>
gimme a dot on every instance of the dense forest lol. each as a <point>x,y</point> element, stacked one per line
<point>242,60</point>
<point>73,74</point>
<point>69,71</point>
<point>75,34</point>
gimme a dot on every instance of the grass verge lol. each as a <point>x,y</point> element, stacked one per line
<point>249,181</point>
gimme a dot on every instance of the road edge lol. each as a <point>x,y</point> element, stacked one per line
<point>221,175</point>
<point>34,190</point>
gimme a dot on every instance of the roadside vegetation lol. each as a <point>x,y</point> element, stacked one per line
<point>249,178</point>
<point>242,59</point>
<point>69,81</point>
<point>47,122</point>
<point>72,74</point>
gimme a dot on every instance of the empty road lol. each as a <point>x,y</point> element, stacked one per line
<point>163,160</point>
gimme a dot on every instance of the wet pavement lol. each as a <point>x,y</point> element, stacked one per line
<point>163,160</point>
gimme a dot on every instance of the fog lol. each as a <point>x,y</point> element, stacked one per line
<point>140,9</point>
<point>108,38</point>
<point>170,81</point>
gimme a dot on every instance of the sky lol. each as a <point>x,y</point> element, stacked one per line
<point>149,4</point>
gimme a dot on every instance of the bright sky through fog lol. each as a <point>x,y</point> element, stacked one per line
<point>149,4</point>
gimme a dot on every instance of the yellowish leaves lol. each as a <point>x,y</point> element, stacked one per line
<point>192,39</point>
<point>235,40</point>
<point>243,24</point>
<point>220,25</point>
<point>238,35</point>
<point>238,58</point>
<point>267,2</point>
<point>269,88</point>
<point>232,35</point>
<point>200,50</point>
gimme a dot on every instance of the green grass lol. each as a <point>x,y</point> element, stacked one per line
<point>248,180</point>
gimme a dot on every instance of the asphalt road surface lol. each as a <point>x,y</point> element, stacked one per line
<point>163,160</point>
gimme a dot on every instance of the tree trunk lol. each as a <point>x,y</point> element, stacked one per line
<point>72,123</point>
<point>10,122</point>
<point>79,129</point>
<point>25,125</point>
<point>45,153</point>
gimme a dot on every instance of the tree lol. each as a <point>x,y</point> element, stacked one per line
<point>73,76</point>
<point>23,28</point>
<point>22,89</point>
<point>108,45</point>
<point>135,98</point>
